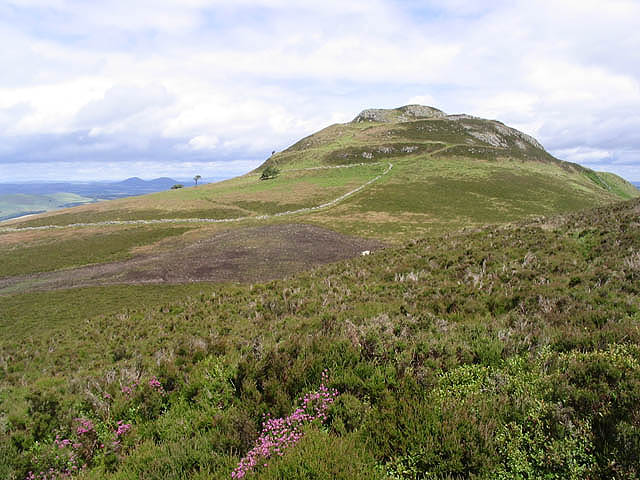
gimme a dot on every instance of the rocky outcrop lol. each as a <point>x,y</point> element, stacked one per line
<point>402,114</point>
<point>497,134</point>
<point>491,132</point>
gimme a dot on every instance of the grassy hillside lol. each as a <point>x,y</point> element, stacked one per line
<point>502,352</point>
<point>243,196</point>
<point>449,171</point>
<point>390,175</point>
<point>495,337</point>
<point>480,170</point>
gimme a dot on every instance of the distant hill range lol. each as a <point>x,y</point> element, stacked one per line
<point>19,199</point>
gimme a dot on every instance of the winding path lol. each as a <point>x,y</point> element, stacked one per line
<point>329,204</point>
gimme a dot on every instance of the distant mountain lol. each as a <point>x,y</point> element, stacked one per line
<point>132,181</point>
<point>18,199</point>
<point>636,184</point>
<point>99,190</point>
<point>161,183</point>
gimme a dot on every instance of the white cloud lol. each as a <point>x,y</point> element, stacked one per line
<point>204,142</point>
<point>121,102</point>
<point>238,79</point>
<point>584,155</point>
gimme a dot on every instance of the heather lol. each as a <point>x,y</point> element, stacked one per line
<point>506,351</point>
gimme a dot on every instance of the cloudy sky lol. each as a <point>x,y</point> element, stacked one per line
<point>112,89</point>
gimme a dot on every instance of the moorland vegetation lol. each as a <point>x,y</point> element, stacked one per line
<point>505,352</point>
<point>496,336</point>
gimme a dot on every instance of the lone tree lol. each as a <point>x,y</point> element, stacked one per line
<point>196,178</point>
<point>269,172</point>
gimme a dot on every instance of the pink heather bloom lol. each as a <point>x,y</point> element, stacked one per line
<point>62,443</point>
<point>128,389</point>
<point>155,384</point>
<point>280,433</point>
<point>85,426</point>
<point>122,428</point>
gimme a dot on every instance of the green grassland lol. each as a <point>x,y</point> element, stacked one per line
<point>504,352</point>
<point>76,250</point>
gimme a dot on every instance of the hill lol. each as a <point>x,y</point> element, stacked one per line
<point>490,331</point>
<point>14,205</point>
<point>448,171</point>
<point>389,176</point>
<point>507,351</point>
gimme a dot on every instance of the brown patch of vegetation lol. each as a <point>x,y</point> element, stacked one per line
<point>240,255</point>
<point>37,237</point>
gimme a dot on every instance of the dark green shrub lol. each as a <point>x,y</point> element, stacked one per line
<point>347,414</point>
<point>44,409</point>
<point>269,172</point>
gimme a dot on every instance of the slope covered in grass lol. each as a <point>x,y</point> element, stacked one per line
<point>502,352</point>
<point>244,196</point>
<point>411,171</point>
<point>448,170</point>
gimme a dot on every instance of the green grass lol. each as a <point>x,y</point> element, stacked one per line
<point>424,194</point>
<point>47,255</point>
<point>446,131</point>
<point>505,352</point>
<point>73,217</point>
<point>43,317</point>
<point>229,199</point>
<point>381,152</point>
<point>618,186</point>
<point>484,194</point>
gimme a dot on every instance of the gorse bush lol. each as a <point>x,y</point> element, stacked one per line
<point>504,352</point>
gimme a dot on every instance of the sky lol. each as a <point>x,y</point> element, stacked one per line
<point>113,89</point>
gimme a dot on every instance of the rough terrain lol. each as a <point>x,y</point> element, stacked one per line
<point>241,255</point>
